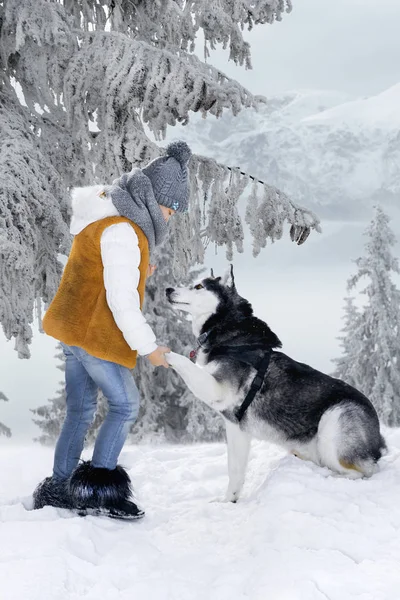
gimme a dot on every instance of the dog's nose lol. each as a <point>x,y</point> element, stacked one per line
<point>169,291</point>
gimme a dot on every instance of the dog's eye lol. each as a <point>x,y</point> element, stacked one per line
<point>198,286</point>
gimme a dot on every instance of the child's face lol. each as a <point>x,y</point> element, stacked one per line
<point>167,212</point>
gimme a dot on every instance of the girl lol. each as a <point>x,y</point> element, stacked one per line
<point>96,315</point>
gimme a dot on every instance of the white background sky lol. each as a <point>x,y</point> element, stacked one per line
<point>348,45</point>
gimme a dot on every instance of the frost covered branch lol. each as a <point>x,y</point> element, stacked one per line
<point>83,83</point>
<point>215,217</point>
<point>33,215</point>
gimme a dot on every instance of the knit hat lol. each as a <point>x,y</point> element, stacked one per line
<point>170,178</point>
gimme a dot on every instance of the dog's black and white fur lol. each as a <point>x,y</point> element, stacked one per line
<point>314,416</point>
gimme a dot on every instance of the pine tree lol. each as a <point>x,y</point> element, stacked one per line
<point>50,416</point>
<point>372,339</point>
<point>350,342</point>
<point>168,410</point>
<point>3,429</point>
<point>83,80</point>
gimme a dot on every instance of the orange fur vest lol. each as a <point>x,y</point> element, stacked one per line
<point>79,314</point>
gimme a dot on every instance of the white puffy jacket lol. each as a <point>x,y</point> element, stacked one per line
<point>120,254</point>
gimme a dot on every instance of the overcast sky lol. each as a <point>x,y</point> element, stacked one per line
<point>346,45</point>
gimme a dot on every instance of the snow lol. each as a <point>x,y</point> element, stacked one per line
<point>299,104</point>
<point>379,111</point>
<point>299,533</point>
<point>334,154</point>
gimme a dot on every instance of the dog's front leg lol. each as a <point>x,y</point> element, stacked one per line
<point>201,383</point>
<point>238,455</point>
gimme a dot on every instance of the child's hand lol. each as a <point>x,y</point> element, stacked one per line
<point>150,270</point>
<point>157,358</point>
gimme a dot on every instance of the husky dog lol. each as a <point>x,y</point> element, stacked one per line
<point>313,415</point>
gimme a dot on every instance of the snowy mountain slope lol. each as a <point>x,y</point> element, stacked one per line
<point>298,534</point>
<point>327,151</point>
<point>378,112</point>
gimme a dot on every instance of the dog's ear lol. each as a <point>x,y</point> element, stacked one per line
<point>216,279</point>
<point>229,279</point>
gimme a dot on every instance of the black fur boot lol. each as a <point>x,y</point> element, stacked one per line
<point>98,491</point>
<point>52,492</point>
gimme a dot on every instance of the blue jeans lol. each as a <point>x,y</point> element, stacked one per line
<point>84,375</point>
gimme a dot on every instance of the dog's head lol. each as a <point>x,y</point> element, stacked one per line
<point>205,295</point>
<point>215,299</point>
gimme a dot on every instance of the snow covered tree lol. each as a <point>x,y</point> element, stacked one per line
<point>83,83</point>
<point>168,410</point>
<point>3,429</point>
<point>350,342</point>
<point>371,344</point>
<point>50,416</point>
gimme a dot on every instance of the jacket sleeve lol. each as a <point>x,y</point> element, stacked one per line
<point>120,254</point>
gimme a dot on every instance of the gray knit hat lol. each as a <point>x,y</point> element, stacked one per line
<point>170,178</point>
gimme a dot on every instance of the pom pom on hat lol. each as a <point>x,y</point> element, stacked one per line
<point>180,151</point>
<point>170,178</point>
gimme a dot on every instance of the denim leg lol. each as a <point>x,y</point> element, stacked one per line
<point>81,400</point>
<point>119,388</point>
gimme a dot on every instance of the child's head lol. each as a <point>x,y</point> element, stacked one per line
<point>170,179</point>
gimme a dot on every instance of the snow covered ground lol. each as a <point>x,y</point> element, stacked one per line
<point>299,533</point>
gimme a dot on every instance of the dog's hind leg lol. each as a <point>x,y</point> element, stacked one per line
<point>238,455</point>
<point>201,383</point>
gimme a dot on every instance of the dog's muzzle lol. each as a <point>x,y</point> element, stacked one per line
<point>171,295</point>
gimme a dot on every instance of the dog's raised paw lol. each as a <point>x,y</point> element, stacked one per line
<point>172,358</point>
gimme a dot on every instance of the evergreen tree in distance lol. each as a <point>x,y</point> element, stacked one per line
<point>3,429</point>
<point>50,417</point>
<point>350,344</point>
<point>371,341</point>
